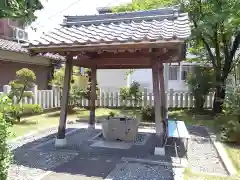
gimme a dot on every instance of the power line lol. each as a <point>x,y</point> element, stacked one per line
<point>49,18</point>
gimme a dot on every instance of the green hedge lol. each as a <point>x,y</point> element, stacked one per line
<point>5,154</point>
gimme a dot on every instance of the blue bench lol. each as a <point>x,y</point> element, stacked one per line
<point>177,130</point>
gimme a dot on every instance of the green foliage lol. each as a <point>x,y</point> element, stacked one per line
<point>25,79</point>
<point>124,93</point>
<point>58,78</point>
<point>132,93</point>
<point>215,38</point>
<point>143,5</point>
<point>20,9</point>
<point>5,160</point>
<point>148,114</point>
<point>75,93</point>
<point>31,109</point>
<point>59,74</point>
<point>200,82</point>
<point>87,92</point>
<point>230,121</point>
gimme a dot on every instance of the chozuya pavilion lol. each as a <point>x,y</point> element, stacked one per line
<point>132,40</point>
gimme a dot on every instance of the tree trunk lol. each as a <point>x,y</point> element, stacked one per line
<point>219,98</point>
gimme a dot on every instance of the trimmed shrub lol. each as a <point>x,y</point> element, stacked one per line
<point>147,114</point>
<point>5,160</point>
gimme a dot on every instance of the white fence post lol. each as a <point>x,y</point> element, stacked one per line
<point>52,98</point>
<point>6,89</point>
<point>35,94</point>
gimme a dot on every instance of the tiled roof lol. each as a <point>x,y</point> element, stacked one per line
<point>154,25</point>
<point>17,47</point>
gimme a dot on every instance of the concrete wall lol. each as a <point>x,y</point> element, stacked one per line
<point>5,29</point>
<point>8,72</point>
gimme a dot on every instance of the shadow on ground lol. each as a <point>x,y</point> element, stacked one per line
<point>78,158</point>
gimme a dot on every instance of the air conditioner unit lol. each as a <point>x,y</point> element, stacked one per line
<point>20,35</point>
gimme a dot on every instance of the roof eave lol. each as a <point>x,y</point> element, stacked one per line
<point>118,45</point>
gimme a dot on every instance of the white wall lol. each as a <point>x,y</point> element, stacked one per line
<point>111,79</point>
<point>144,77</point>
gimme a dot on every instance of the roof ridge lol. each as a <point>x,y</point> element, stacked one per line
<point>177,8</point>
<point>168,13</point>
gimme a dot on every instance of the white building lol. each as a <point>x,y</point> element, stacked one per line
<point>112,80</point>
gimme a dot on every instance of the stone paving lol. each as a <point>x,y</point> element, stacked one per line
<point>36,156</point>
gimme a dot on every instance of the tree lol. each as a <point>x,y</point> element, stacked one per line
<point>216,36</point>
<point>200,82</point>
<point>25,79</point>
<point>20,9</point>
<point>131,93</point>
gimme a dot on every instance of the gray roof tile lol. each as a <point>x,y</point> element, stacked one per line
<point>17,47</point>
<point>154,25</point>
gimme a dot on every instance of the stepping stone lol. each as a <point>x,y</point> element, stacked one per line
<point>112,144</point>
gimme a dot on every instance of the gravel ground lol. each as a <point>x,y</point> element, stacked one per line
<point>31,159</point>
<point>202,155</point>
<point>141,138</point>
<point>28,164</point>
<point>137,171</point>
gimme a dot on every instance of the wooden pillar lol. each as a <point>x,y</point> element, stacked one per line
<point>162,94</point>
<point>61,140</point>
<point>93,97</point>
<point>157,103</point>
<point>166,80</point>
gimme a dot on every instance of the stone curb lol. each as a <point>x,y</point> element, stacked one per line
<point>223,155</point>
<point>183,163</point>
<point>225,159</point>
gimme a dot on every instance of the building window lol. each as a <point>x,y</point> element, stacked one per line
<point>185,70</point>
<point>173,72</point>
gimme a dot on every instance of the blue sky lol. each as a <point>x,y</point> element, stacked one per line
<point>53,7</point>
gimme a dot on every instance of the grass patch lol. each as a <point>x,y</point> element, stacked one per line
<point>189,175</point>
<point>189,118</point>
<point>234,154</point>
<point>34,123</point>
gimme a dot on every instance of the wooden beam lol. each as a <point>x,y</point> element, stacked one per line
<point>103,46</point>
<point>112,61</point>
<point>93,97</point>
<point>123,55</point>
<point>122,66</point>
<point>61,141</point>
